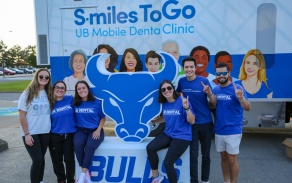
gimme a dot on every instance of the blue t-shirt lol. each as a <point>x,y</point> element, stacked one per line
<point>176,124</point>
<point>88,114</point>
<point>197,97</point>
<point>62,116</point>
<point>229,113</point>
<point>262,93</point>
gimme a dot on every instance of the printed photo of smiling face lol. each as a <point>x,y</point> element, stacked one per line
<point>202,56</point>
<point>131,61</point>
<point>77,63</point>
<point>152,61</point>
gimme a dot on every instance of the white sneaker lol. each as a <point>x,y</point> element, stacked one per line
<point>205,182</point>
<point>81,178</point>
<point>87,178</point>
<point>157,179</point>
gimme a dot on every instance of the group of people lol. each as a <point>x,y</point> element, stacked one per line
<point>67,125</point>
<point>186,112</point>
<point>191,124</point>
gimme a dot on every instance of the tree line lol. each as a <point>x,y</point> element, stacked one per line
<point>17,56</point>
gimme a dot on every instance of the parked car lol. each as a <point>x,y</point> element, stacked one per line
<point>7,71</point>
<point>17,70</point>
<point>26,71</point>
<point>1,73</point>
<point>32,68</point>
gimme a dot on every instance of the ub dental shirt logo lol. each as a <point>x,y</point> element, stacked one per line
<point>129,98</point>
<point>223,97</point>
<point>171,112</point>
<point>84,110</point>
<point>60,109</point>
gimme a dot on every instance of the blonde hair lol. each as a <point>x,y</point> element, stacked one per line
<point>262,77</point>
<point>33,88</point>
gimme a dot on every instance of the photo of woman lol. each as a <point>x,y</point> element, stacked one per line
<point>252,75</point>
<point>112,61</point>
<point>77,63</point>
<point>131,61</point>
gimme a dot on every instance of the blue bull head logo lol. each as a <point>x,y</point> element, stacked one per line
<point>129,98</point>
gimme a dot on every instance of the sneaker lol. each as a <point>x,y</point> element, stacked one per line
<point>205,181</point>
<point>81,178</point>
<point>157,179</point>
<point>87,178</point>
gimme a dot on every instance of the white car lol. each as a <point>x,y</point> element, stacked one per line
<point>1,73</point>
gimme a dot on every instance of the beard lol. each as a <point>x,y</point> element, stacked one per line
<point>223,81</point>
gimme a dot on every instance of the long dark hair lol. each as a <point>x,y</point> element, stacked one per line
<point>113,56</point>
<point>77,98</point>
<point>161,98</point>
<point>139,66</point>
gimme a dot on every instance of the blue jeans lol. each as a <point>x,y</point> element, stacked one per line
<point>201,133</point>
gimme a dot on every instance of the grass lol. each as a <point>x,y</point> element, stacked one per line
<point>14,86</point>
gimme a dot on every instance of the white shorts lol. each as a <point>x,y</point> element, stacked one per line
<point>228,143</point>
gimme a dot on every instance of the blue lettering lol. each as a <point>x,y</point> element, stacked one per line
<point>130,177</point>
<point>99,169</point>
<point>102,169</point>
<point>76,14</point>
<point>122,169</point>
<point>175,11</point>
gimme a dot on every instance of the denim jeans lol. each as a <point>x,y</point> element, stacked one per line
<point>202,134</point>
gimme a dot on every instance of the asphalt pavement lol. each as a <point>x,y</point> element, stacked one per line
<point>262,156</point>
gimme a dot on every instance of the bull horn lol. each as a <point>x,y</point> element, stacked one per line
<point>95,69</point>
<point>169,69</point>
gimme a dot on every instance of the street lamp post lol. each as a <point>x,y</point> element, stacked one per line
<point>2,60</point>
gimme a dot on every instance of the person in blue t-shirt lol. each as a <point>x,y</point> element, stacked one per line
<point>198,90</point>
<point>90,121</point>
<point>230,103</point>
<point>63,127</point>
<point>178,117</point>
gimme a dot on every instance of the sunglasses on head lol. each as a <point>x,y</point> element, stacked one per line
<point>60,87</point>
<point>164,89</point>
<point>223,73</point>
<point>42,77</point>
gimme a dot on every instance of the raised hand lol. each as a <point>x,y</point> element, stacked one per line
<point>185,101</point>
<point>206,89</point>
<point>239,93</point>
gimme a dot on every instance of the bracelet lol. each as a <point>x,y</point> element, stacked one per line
<point>26,134</point>
<point>241,101</point>
<point>187,108</point>
<point>209,95</point>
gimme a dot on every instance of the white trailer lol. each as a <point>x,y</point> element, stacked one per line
<point>234,26</point>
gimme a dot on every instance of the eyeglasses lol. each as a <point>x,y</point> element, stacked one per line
<point>164,89</point>
<point>42,77</point>
<point>223,73</point>
<point>60,87</point>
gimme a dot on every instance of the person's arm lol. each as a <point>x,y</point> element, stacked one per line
<point>159,119</point>
<point>245,104</point>
<point>211,97</point>
<point>96,133</point>
<point>22,118</point>
<point>190,116</point>
<point>186,106</point>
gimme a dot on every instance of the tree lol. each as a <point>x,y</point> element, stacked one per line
<point>3,48</point>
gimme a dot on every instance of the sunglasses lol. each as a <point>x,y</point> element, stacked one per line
<point>42,77</point>
<point>60,87</point>
<point>223,73</point>
<point>164,89</point>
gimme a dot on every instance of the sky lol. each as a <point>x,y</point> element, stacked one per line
<point>17,22</point>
